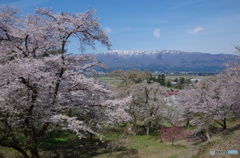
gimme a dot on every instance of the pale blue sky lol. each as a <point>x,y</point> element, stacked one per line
<point>210,26</point>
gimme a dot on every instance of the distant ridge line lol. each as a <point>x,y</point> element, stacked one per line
<point>164,60</point>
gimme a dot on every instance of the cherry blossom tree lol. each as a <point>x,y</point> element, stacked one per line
<point>208,102</point>
<point>147,104</point>
<point>231,77</point>
<point>42,88</point>
<point>196,102</point>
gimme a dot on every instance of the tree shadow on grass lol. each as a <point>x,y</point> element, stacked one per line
<point>200,138</point>
<point>230,130</point>
<point>1,155</point>
<point>133,153</point>
<point>83,148</point>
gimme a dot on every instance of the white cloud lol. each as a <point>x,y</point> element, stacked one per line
<point>195,31</point>
<point>156,33</point>
<point>108,29</point>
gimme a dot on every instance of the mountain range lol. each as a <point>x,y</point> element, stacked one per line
<point>164,60</point>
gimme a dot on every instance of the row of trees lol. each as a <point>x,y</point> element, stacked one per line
<point>161,78</point>
<point>131,76</point>
<point>42,88</point>
<point>178,83</point>
<point>213,100</point>
<point>135,76</point>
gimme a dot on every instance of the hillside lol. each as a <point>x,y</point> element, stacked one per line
<point>164,61</point>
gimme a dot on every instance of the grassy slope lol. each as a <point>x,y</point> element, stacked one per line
<point>150,147</point>
<point>223,140</point>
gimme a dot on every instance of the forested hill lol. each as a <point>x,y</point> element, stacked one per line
<point>165,60</point>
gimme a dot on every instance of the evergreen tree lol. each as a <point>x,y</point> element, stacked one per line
<point>169,84</point>
<point>182,80</point>
<point>161,79</point>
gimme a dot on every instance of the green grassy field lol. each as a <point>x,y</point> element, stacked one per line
<point>112,82</point>
<point>186,77</point>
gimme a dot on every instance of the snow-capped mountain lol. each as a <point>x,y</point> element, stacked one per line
<point>165,60</point>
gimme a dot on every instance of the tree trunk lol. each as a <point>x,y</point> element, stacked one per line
<point>135,129</point>
<point>172,140</point>
<point>147,130</point>
<point>24,153</point>
<point>224,123</point>
<point>148,127</point>
<point>207,135</point>
<point>135,125</point>
<point>34,153</point>
<point>188,122</point>
<point>91,137</point>
<point>161,140</point>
